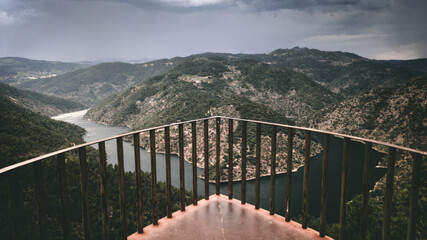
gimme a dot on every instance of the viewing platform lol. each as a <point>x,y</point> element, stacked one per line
<point>216,216</point>
<point>223,218</point>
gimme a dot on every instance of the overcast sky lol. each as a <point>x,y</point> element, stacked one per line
<point>77,30</point>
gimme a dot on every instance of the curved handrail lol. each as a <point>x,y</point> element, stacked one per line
<point>39,158</point>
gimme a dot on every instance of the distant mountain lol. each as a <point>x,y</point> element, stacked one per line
<point>346,74</point>
<point>37,102</point>
<point>25,134</point>
<point>15,70</point>
<point>417,65</point>
<point>91,85</point>
<point>396,115</point>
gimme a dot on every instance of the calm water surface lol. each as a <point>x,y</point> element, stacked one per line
<point>97,131</point>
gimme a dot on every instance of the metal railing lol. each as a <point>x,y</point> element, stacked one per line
<point>11,173</point>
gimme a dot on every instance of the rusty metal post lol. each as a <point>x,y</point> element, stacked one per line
<point>244,146</point>
<point>103,187</point>
<point>168,173</point>
<point>257,164</point>
<point>344,174</point>
<point>154,199</point>
<point>218,154</point>
<point>137,155</point>
<point>206,155</point>
<point>121,182</point>
<point>365,191</point>
<point>273,169</point>
<point>230,158</point>
<point>323,197</point>
<point>388,193</point>
<point>181,166</point>
<point>84,194</point>
<point>15,205</point>
<point>413,201</point>
<point>194,158</point>
<point>306,178</point>
<point>289,175</point>
<point>64,195</point>
<point>41,210</point>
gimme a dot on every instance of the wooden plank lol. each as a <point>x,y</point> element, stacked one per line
<point>218,154</point>
<point>413,201</point>
<point>103,188</point>
<point>121,182</point>
<point>206,155</point>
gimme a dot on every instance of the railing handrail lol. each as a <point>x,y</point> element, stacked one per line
<point>354,138</point>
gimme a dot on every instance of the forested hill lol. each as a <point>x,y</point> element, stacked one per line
<point>37,102</point>
<point>396,114</point>
<point>91,85</point>
<point>200,87</point>
<point>343,73</point>
<point>25,134</point>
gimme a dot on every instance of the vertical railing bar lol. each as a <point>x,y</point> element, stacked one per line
<point>365,191</point>
<point>168,173</point>
<point>257,164</point>
<point>41,211</point>
<point>273,169</point>
<point>84,194</point>
<point>344,173</point>
<point>154,199</point>
<point>103,187</point>
<point>388,193</point>
<point>289,175</point>
<point>413,200</point>
<point>324,185</point>
<point>181,166</point>
<point>63,192</point>
<point>194,159</point>
<point>218,154</point>
<point>305,189</point>
<point>121,183</point>
<point>15,205</point>
<point>244,146</point>
<point>206,155</point>
<point>230,158</point>
<point>137,155</point>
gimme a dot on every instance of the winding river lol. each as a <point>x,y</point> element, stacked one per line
<point>97,131</point>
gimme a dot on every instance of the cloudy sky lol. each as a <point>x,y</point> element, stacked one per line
<point>77,30</point>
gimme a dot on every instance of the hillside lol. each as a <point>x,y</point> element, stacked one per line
<point>417,65</point>
<point>395,114</point>
<point>37,102</point>
<point>200,87</point>
<point>91,85</point>
<point>346,74</point>
<point>25,134</point>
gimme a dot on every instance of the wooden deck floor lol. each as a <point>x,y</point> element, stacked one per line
<point>221,218</point>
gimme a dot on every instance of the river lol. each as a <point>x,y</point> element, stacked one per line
<point>97,131</point>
